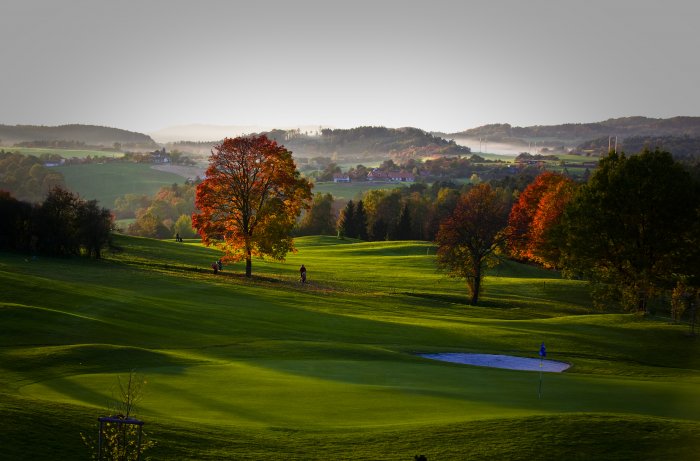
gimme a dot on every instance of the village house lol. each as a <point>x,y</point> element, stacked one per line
<point>160,156</point>
<point>338,177</point>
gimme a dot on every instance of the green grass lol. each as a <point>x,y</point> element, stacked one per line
<point>352,190</point>
<point>65,153</point>
<point>105,182</point>
<point>270,369</point>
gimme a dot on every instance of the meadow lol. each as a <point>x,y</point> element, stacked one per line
<point>105,182</point>
<point>352,190</point>
<point>267,368</point>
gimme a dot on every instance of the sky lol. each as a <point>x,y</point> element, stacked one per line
<point>144,65</point>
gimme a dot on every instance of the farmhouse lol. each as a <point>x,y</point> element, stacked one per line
<point>160,156</point>
<point>341,178</point>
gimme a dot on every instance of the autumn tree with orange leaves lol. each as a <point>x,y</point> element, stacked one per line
<point>250,199</point>
<point>468,238</point>
<point>534,216</point>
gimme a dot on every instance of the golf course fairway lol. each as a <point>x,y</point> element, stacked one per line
<point>268,368</point>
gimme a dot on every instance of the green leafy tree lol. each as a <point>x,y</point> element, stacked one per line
<point>149,225</point>
<point>95,226</point>
<point>628,230</point>
<point>183,226</point>
<point>318,220</point>
<point>56,224</point>
<point>468,238</point>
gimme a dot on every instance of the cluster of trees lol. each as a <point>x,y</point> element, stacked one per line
<point>633,230</point>
<point>166,214</point>
<point>62,225</point>
<point>413,212</point>
<point>26,177</point>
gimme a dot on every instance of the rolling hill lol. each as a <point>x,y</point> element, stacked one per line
<point>74,136</point>
<point>571,134</point>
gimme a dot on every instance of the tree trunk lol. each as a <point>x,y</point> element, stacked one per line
<point>476,285</point>
<point>248,265</point>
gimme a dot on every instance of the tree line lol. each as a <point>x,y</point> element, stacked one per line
<point>62,225</point>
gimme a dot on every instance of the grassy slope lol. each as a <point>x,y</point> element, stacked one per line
<point>256,369</point>
<point>105,182</point>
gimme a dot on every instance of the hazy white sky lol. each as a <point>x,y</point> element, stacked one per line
<point>438,65</point>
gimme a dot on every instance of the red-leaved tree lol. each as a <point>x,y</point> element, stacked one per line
<point>250,199</point>
<point>537,210</point>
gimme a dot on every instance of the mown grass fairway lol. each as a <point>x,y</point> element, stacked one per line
<point>270,369</point>
<point>107,181</point>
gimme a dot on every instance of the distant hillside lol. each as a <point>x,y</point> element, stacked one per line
<point>572,134</point>
<point>367,141</point>
<point>74,135</point>
<point>362,143</point>
<point>682,147</point>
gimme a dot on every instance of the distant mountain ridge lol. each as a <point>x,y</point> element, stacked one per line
<point>574,133</point>
<point>90,135</point>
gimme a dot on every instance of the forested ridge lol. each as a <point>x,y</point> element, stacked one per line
<point>73,136</point>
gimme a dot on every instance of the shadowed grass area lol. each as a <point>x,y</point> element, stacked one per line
<point>267,368</point>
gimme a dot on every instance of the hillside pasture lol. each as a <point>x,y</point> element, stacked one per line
<point>267,368</point>
<point>352,190</point>
<point>107,181</point>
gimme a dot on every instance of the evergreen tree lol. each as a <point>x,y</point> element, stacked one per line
<point>403,229</point>
<point>361,221</point>
<point>346,222</point>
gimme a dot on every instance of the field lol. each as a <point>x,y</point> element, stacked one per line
<point>270,369</point>
<point>352,190</point>
<point>65,153</point>
<point>105,182</point>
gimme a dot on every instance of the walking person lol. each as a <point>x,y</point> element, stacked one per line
<point>302,274</point>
